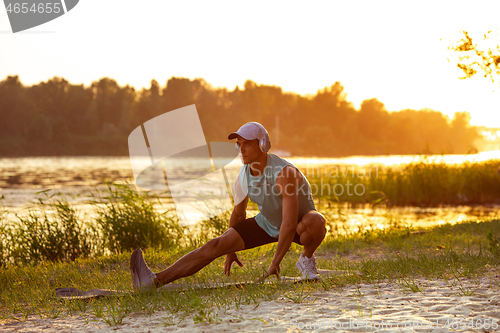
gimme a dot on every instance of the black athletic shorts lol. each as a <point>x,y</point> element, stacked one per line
<point>253,235</point>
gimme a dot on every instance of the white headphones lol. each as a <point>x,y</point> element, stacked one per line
<point>264,143</point>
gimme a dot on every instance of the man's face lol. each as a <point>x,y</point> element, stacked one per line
<point>250,150</point>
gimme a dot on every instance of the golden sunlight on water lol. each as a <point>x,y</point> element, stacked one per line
<point>395,160</point>
<point>362,219</point>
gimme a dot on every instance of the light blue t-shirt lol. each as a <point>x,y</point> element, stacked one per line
<point>263,191</point>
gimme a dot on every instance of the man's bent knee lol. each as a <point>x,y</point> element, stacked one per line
<point>313,222</point>
<point>320,225</point>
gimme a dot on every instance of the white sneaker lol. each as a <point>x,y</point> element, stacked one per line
<point>142,276</point>
<point>307,266</point>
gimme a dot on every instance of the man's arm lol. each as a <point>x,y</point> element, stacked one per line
<point>239,214</point>
<point>241,200</point>
<point>287,183</point>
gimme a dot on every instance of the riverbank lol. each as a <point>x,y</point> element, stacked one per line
<point>395,275</point>
<point>437,306</point>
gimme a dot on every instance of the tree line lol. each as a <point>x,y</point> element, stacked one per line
<point>59,118</point>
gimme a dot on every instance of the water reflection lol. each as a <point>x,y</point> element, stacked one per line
<point>77,177</point>
<point>395,160</point>
<point>359,220</point>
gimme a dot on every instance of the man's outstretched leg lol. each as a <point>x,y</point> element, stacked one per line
<point>312,231</point>
<point>144,278</point>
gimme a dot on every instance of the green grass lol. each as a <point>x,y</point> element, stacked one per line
<point>27,291</point>
<point>54,246</point>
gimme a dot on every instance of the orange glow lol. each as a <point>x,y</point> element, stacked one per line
<point>394,160</point>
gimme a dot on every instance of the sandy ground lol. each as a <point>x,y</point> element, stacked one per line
<point>362,308</point>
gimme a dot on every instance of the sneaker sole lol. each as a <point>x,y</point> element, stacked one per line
<point>133,265</point>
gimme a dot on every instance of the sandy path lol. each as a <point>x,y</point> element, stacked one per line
<point>357,308</point>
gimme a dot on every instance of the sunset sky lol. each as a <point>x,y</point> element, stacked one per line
<point>395,51</point>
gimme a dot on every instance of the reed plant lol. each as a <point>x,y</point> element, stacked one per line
<point>4,236</point>
<point>127,219</point>
<point>422,184</point>
<point>40,235</point>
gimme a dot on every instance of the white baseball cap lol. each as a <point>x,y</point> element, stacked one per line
<point>249,131</point>
<point>252,131</point>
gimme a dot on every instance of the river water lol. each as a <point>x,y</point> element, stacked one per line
<point>77,177</point>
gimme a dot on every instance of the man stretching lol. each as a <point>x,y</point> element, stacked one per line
<point>287,214</point>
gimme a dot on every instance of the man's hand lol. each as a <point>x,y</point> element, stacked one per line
<point>287,183</point>
<point>272,270</point>
<point>230,258</point>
